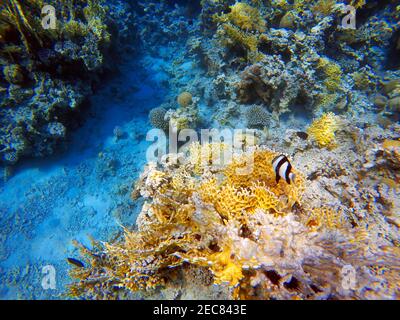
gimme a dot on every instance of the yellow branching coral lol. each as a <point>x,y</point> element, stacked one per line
<point>357,3</point>
<point>234,221</point>
<point>261,171</point>
<point>170,224</point>
<point>233,201</point>
<point>301,5</point>
<point>323,130</point>
<point>387,144</point>
<point>206,156</point>
<point>224,267</point>
<point>325,217</point>
<point>245,17</point>
<point>332,72</point>
<point>265,198</point>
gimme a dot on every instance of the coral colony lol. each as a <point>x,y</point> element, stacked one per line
<point>212,149</point>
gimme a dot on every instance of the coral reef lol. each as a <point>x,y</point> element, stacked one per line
<point>323,130</point>
<point>240,27</point>
<point>244,233</point>
<point>47,73</point>
<point>185,99</point>
<point>163,24</point>
<point>182,114</point>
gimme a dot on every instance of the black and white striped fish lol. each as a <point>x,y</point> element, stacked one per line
<point>283,168</point>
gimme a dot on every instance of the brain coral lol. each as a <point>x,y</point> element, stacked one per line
<point>254,236</point>
<point>257,116</point>
<point>185,99</point>
<point>323,130</point>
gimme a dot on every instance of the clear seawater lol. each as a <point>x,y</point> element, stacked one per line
<point>48,203</point>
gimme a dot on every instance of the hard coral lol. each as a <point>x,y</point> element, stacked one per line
<point>79,46</point>
<point>235,221</point>
<point>245,17</point>
<point>157,118</point>
<point>324,7</point>
<point>240,225</point>
<point>253,86</point>
<point>323,130</point>
<point>185,99</point>
<point>235,36</point>
<point>14,74</point>
<point>288,20</point>
<point>257,116</point>
<point>241,28</point>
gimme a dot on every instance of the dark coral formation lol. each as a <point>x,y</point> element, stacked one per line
<point>47,74</point>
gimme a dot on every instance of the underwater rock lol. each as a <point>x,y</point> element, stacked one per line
<point>380,101</point>
<point>56,129</point>
<point>302,135</point>
<point>391,85</point>
<point>118,133</point>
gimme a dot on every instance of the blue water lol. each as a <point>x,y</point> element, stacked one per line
<point>84,191</point>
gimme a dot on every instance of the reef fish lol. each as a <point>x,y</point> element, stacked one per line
<point>283,168</point>
<point>75,262</point>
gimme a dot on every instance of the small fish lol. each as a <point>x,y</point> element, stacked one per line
<point>283,168</point>
<point>75,262</point>
<point>302,135</point>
